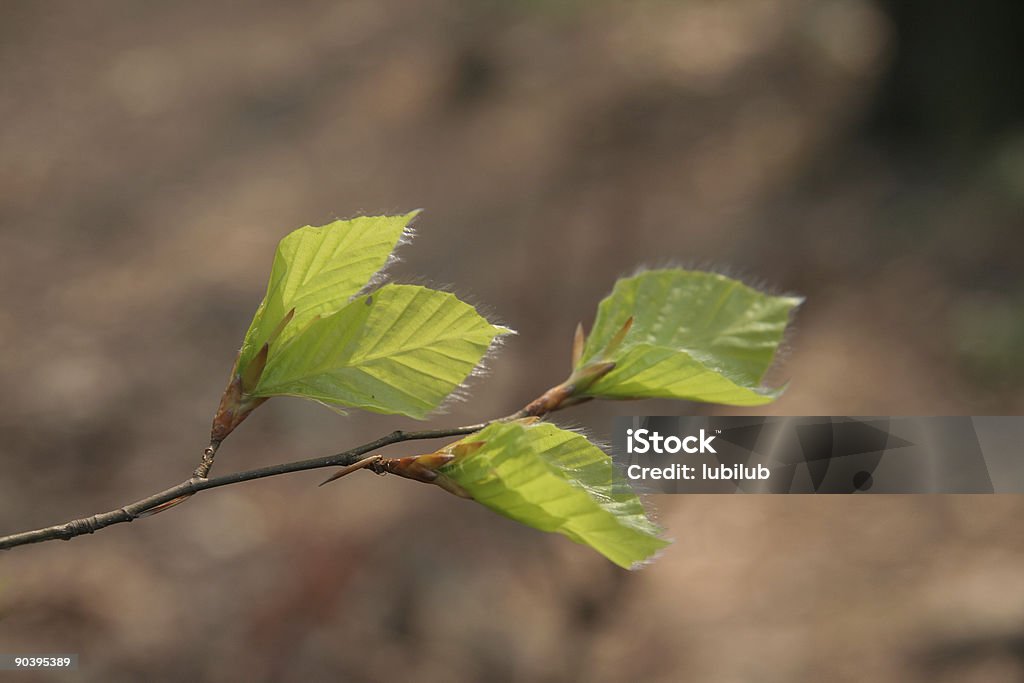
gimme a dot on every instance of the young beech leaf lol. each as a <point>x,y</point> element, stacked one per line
<point>316,271</point>
<point>401,349</point>
<point>554,480</point>
<point>689,335</point>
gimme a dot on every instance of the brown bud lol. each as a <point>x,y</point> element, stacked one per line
<point>578,342</point>
<point>616,341</point>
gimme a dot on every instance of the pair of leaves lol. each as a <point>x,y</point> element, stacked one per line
<point>691,335</point>
<point>401,349</point>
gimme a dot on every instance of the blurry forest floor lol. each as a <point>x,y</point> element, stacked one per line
<point>150,158</point>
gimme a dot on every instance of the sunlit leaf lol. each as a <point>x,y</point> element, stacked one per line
<point>555,480</point>
<point>317,270</point>
<point>401,349</point>
<point>690,335</point>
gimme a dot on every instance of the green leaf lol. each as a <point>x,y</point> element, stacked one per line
<point>316,271</point>
<point>556,480</point>
<point>695,335</point>
<point>401,349</point>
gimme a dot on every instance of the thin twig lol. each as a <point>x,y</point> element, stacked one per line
<point>139,508</point>
<point>551,401</point>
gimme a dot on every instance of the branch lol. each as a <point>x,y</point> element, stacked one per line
<point>553,399</point>
<point>164,499</point>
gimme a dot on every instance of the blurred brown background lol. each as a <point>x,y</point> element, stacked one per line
<point>867,155</point>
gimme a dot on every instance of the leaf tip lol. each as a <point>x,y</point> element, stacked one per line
<point>662,545</point>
